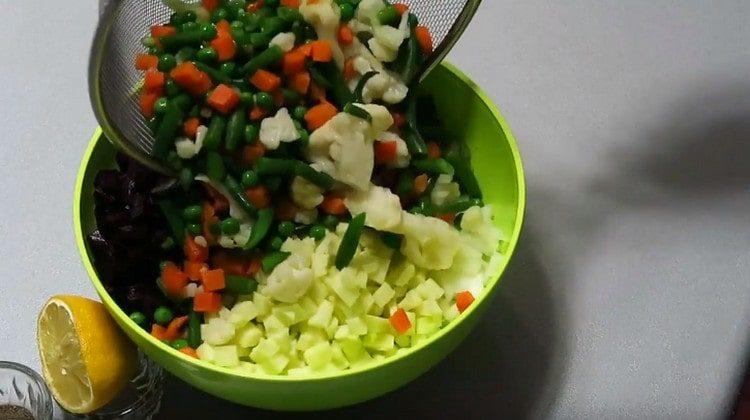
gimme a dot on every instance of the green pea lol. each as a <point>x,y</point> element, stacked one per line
<point>208,31</point>
<point>330,222</point>
<point>228,68</point>
<point>189,26</point>
<point>153,50</point>
<point>148,41</point>
<point>347,11</point>
<point>304,136</point>
<point>176,19</point>
<point>264,100</point>
<point>162,315</point>
<point>138,318</point>
<point>172,88</point>
<point>317,232</point>
<point>160,106</point>
<point>192,213</point>
<point>299,112</point>
<point>166,62</point>
<point>251,133</point>
<point>195,229</point>
<point>388,15</point>
<point>247,98</point>
<point>276,243</point>
<point>230,226</point>
<point>288,15</point>
<point>206,55</point>
<point>179,344</point>
<point>297,124</point>
<point>250,179</point>
<point>220,13</point>
<point>286,228</point>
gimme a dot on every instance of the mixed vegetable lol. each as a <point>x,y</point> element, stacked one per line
<point>312,228</point>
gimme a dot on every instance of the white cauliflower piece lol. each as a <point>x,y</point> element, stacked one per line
<point>428,241</point>
<point>284,40</point>
<point>386,85</point>
<point>383,208</point>
<point>477,224</point>
<point>445,191</point>
<point>237,240</point>
<point>324,16</point>
<point>402,151</point>
<point>235,210</point>
<point>291,279</point>
<point>306,216</point>
<point>277,129</point>
<point>305,194</point>
<point>367,12</point>
<point>187,148</point>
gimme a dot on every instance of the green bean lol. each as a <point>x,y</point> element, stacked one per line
<point>349,242</point>
<point>391,240</point>
<point>361,85</point>
<point>174,220</point>
<point>410,55</point>
<point>208,31</point>
<point>186,178</point>
<point>339,89</point>
<point>259,41</point>
<point>239,195</point>
<point>288,15</point>
<point>405,184</point>
<point>364,36</point>
<point>260,229</point>
<point>215,166</point>
<point>230,226</point>
<point>271,166</point>
<point>433,166</point>
<point>235,129</point>
<point>272,259</point>
<point>239,285</point>
<point>319,78</point>
<point>228,68</point>
<point>160,106</point>
<point>465,175</point>
<point>271,26</point>
<point>291,97</point>
<point>461,204</point>
<point>212,141</point>
<point>194,329</point>
<point>182,39</point>
<point>167,130</point>
<point>213,73</point>
<point>270,56</point>
<point>183,101</point>
<point>414,141</point>
<point>321,179</point>
<point>357,111</point>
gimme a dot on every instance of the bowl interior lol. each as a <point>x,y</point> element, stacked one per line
<point>470,117</point>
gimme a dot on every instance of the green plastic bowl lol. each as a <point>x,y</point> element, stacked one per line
<point>469,116</point>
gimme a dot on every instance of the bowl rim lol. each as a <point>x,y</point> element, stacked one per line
<point>488,288</point>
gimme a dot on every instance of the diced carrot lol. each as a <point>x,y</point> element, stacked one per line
<point>206,302</point>
<point>193,251</point>
<point>159,31</point>
<point>400,321</point>
<point>265,80</point>
<point>424,38</point>
<point>306,49</point>
<point>349,71</point>
<point>293,62</point>
<point>345,35</point>
<point>146,101</point>
<point>229,262</point>
<point>194,270</point>
<point>385,151</point>
<point>256,113</point>
<point>333,204</point>
<point>224,45</point>
<point>448,217</point>
<point>285,209</point>
<point>208,219</point>
<point>173,279</point>
<point>203,85</point>
<point>187,75</point>
<point>399,120</point>
<point>463,300</point>
<point>258,195</point>
<point>254,267</point>
<point>401,8</point>
<point>158,332</point>
<point>224,99</point>
<point>210,5</point>
<point>420,184</point>
<point>319,115</point>
<point>190,126</point>
<point>294,4</point>
<point>252,152</point>
<point>174,327</point>
<point>317,93</point>
<point>278,97</point>
<point>146,61</point>
<point>300,82</point>
<point>254,6</point>
<point>223,26</point>
<point>433,150</point>
<point>322,51</point>
<point>213,280</point>
<point>153,80</point>
<point>189,351</point>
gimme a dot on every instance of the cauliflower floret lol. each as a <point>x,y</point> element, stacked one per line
<point>277,129</point>
<point>284,40</point>
<point>383,208</point>
<point>428,241</point>
<point>305,194</point>
<point>291,279</point>
<point>324,16</point>
<point>477,224</point>
<point>306,216</point>
<point>445,191</point>
<point>186,148</point>
<point>342,147</point>
<point>237,240</point>
<point>235,210</point>
<point>402,151</point>
<point>367,12</point>
<point>386,85</point>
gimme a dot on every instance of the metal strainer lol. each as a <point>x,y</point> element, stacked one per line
<point>113,79</point>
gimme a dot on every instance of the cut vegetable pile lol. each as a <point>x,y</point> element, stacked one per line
<point>319,230</point>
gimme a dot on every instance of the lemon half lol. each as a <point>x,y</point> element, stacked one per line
<point>86,359</point>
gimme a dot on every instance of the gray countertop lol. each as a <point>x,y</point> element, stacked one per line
<point>629,294</point>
